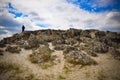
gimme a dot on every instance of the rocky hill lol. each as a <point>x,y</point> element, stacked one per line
<point>62,52</point>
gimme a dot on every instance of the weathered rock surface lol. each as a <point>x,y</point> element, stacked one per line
<point>60,47</point>
<point>32,41</point>
<point>13,49</point>
<point>42,54</point>
<point>91,41</point>
<point>77,57</point>
<point>115,53</point>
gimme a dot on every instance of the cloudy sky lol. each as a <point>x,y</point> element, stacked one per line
<point>58,14</point>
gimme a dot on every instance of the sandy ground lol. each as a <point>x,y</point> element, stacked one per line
<point>106,69</point>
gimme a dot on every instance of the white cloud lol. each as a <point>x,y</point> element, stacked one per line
<point>60,14</point>
<point>7,34</point>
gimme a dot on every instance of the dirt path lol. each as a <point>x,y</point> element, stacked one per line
<point>57,69</point>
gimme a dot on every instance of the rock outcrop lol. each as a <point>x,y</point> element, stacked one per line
<point>90,41</point>
<point>42,54</point>
<point>13,49</point>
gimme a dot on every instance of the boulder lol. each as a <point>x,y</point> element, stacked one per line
<point>77,57</point>
<point>32,41</point>
<point>13,49</point>
<point>42,54</point>
<point>91,52</point>
<point>25,45</point>
<point>68,49</point>
<point>37,56</point>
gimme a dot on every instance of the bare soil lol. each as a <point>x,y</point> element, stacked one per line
<point>107,68</point>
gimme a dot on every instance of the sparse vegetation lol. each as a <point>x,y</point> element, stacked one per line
<point>32,58</point>
<point>45,53</point>
<point>76,57</point>
<point>77,62</point>
<point>31,77</point>
<point>61,77</point>
<point>66,69</point>
<point>46,57</point>
<point>43,57</point>
<point>87,74</point>
<point>101,75</point>
<point>5,67</point>
<point>46,65</point>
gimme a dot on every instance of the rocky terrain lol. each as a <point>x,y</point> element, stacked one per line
<point>60,55</point>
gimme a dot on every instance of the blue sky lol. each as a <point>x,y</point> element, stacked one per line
<point>58,14</point>
<point>97,5</point>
